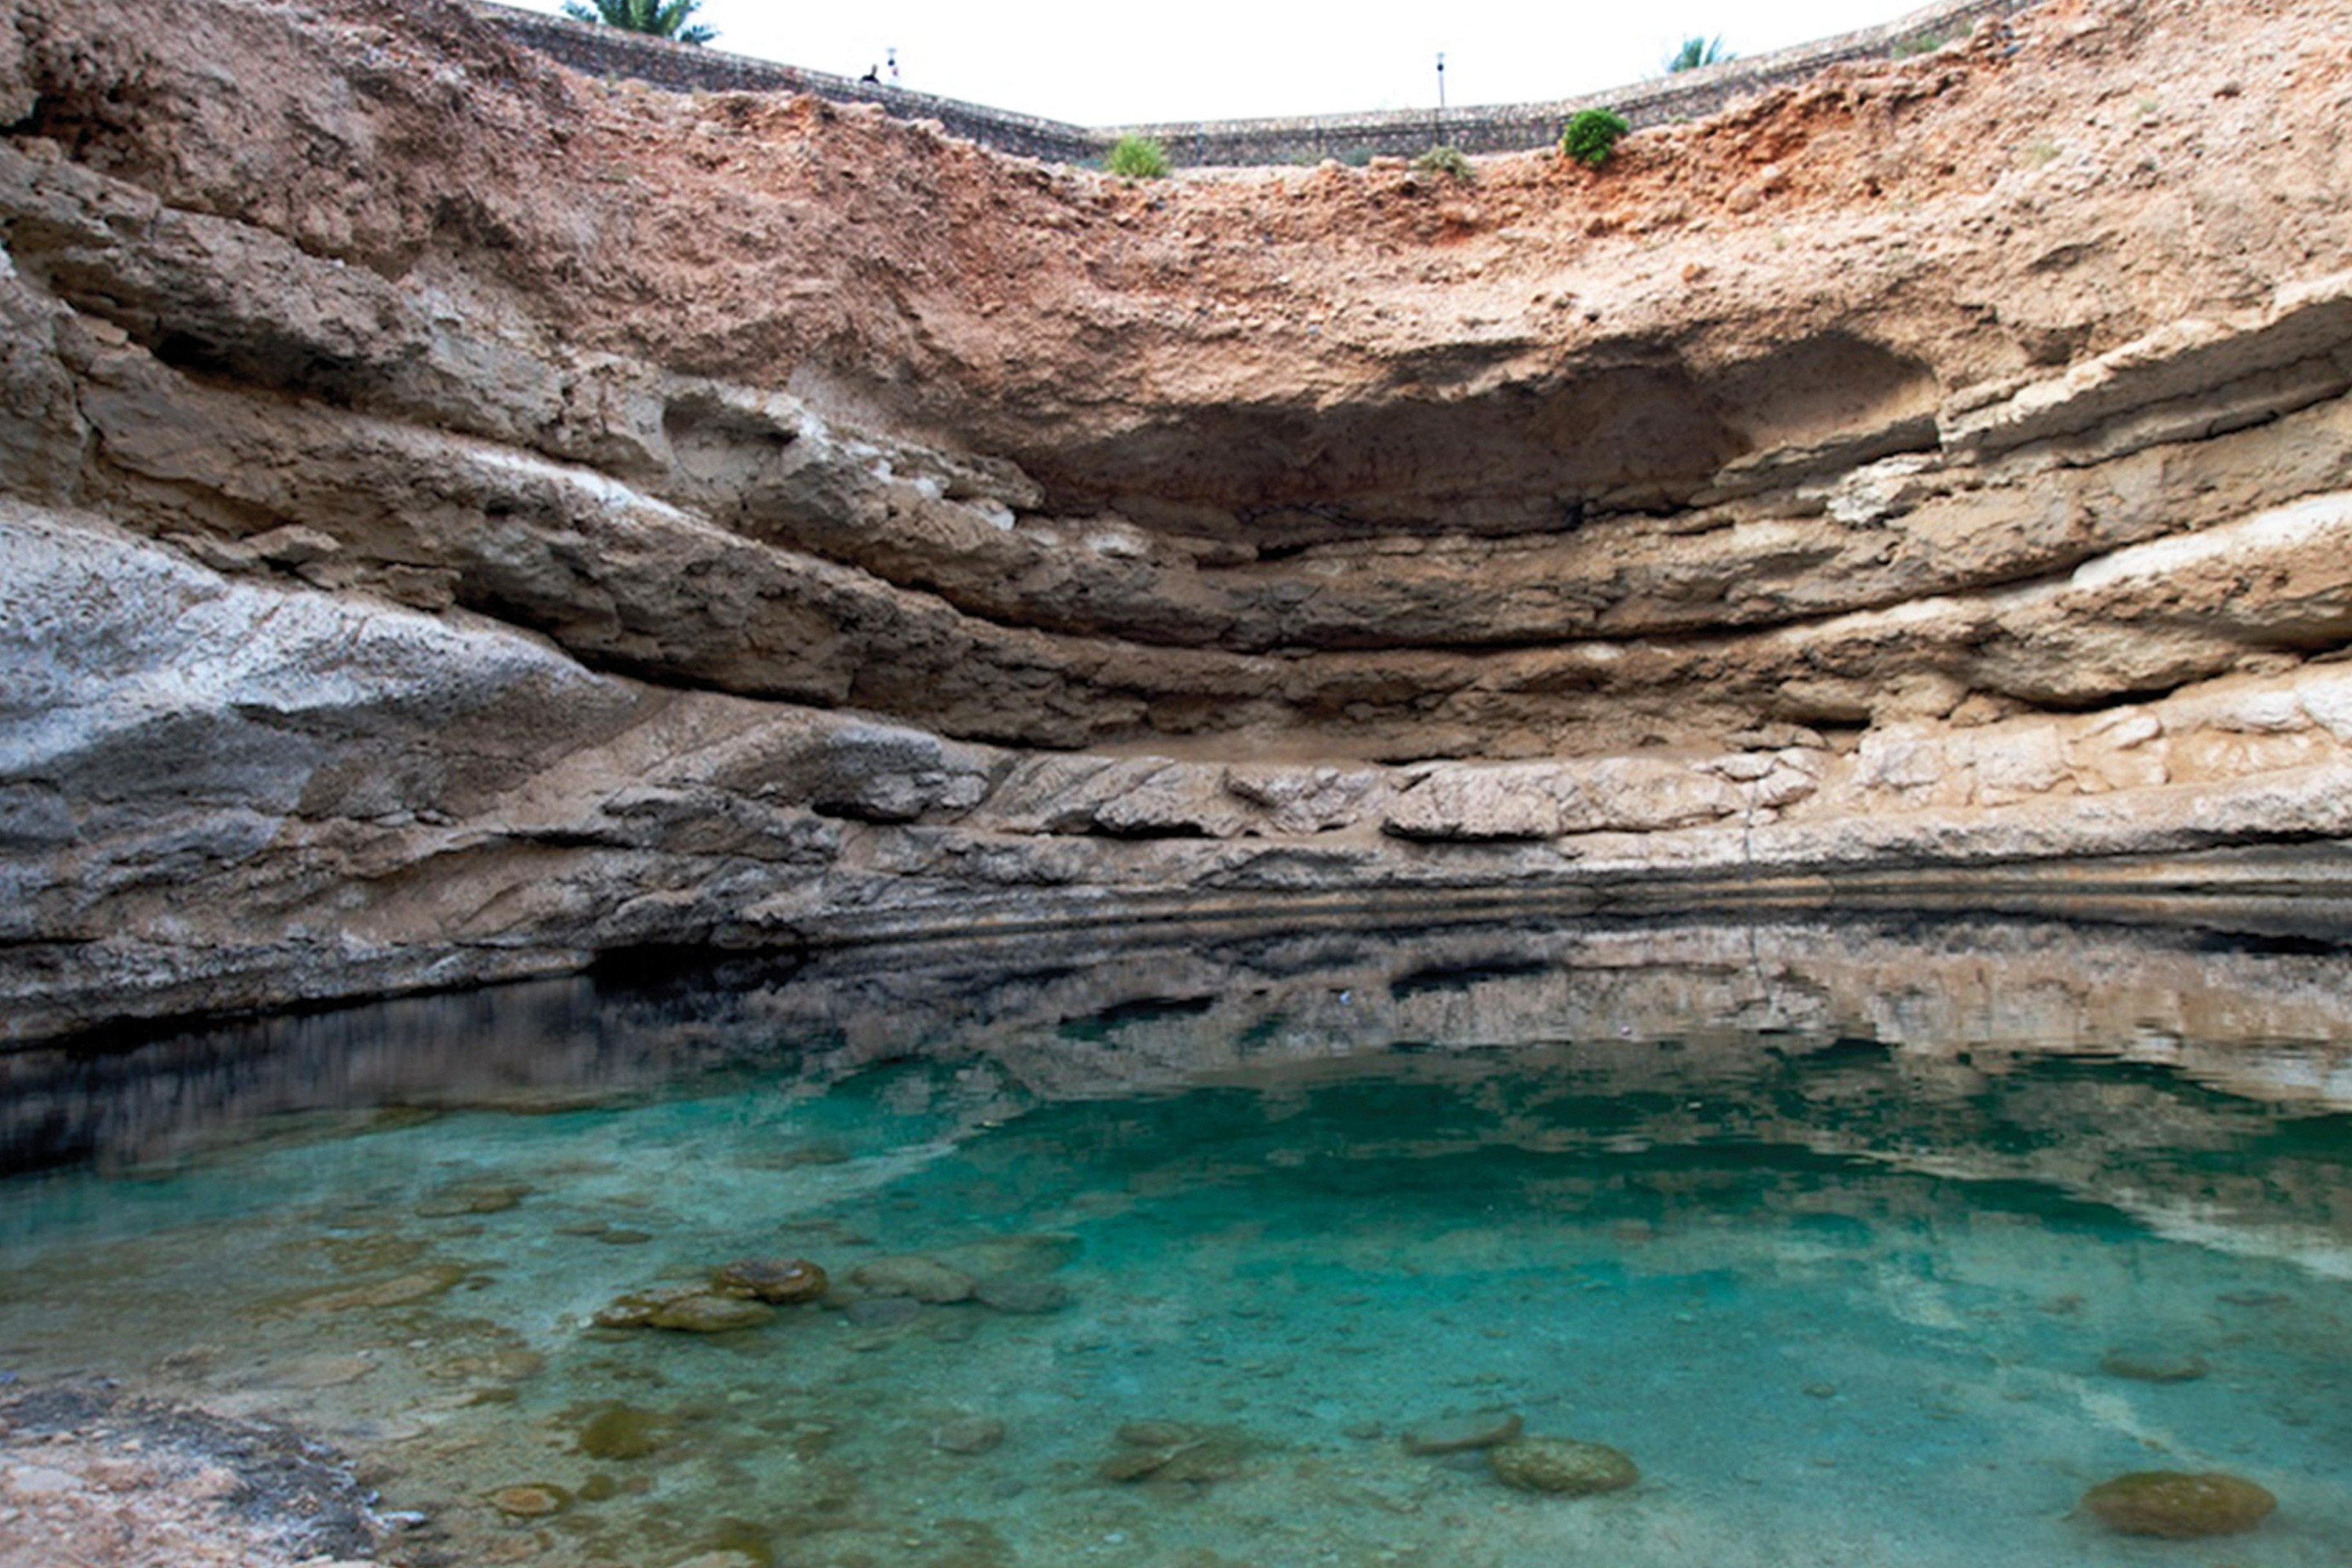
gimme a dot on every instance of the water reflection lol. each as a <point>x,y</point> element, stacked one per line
<point>1870,1242</point>
<point>1949,1004</point>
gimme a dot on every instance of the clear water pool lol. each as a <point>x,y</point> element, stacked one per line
<point>1866,1244</point>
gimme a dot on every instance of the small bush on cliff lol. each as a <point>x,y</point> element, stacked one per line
<point>1137,158</point>
<point>1925,44</point>
<point>1592,135</point>
<point>658,18</point>
<point>1444,159</point>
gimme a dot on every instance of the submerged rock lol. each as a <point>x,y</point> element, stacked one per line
<point>512,1365</point>
<point>683,1309</point>
<point>536,1499</point>
<point>780,1280</point>
<point>968,1434</point>
<point>1024,1255</point>
<point>2154,1366</point>
<point>622,1432</point>
<point>2253,1299</point>
<point>607,1233</point>
<point>1176,1451</point>
<point>706,1314</point>
<point>1157,1433</point>
<point>1459,1433</point>
<point>312,1372</point>
<point>884,1312</point>
<point>472,1198</point>
<point>2178,1506</point>
<point>400,1291</point>
<point>914,1274</point>
<point>1562,1467</point>
<point>1022,1296</point>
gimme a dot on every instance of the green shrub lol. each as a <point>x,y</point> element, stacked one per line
<point>1444,159</point>
<point>1925,44</point>
<point>1137,158</point>
<point>1592,135</point>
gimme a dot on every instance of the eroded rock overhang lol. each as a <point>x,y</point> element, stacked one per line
<point>461,517</point>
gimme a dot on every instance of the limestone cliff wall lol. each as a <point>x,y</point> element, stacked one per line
<point>461,516</point>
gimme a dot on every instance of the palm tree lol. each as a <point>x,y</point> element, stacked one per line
<point>1698,51</point>
<point>661,18</point>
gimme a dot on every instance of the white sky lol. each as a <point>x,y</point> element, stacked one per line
<point>1112,62</point>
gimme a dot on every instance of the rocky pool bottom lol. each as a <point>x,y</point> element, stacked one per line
<point>1838,1243</point>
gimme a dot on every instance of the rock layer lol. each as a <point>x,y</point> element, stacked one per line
<point>461,516</point>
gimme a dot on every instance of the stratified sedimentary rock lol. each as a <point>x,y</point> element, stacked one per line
<point>457,517</point>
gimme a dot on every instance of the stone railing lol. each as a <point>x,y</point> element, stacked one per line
<point>1497,128</point>
<point>1516,127</point>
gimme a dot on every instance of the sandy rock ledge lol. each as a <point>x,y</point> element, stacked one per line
<point>95,1478</point>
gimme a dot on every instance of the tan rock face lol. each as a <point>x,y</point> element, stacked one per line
<point>921,536</point>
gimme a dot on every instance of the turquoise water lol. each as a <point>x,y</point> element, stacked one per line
<point>1847,1293</point>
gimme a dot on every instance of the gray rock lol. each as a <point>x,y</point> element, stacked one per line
<point>1510,801</point>
<point>1307,800</point>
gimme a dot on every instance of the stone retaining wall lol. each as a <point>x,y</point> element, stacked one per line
<point>684,68</point>
<point>1495,127</point>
